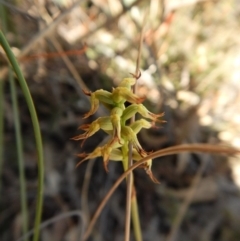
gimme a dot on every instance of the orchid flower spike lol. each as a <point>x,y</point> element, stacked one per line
<point>116,125</point>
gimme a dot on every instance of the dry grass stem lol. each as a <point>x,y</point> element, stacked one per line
<point>214,149</point>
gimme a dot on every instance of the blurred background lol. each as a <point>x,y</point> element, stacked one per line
<point>190,68</point>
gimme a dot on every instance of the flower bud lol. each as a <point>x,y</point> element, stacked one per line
<point>103,123</point>
<point>122,94</point>
<point>102,96</point>
<point>139,124</point>
<point>94,106</point>
<point>129,135</point>
<point>116,114</point>
<point>128,83</point>
<point>106,151</point>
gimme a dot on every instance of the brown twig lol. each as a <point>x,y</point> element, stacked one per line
<point>51,55</point>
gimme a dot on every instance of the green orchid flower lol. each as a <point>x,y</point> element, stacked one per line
<point>116,114</point>
<point>96,97</point>
<point>142,110</point>
<point>139,124</point>
<point>108,152</point>
<point>129,135</point>
<point>103,123</point>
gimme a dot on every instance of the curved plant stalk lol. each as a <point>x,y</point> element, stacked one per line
<point>36,128</point>
<point>220,150</point>
<point>23,193</point>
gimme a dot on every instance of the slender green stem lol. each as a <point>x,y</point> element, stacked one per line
<point>19,143</point>
<point>3,19</point>
<point>3,24</point>
<point>132,209</point>
<point>135,217</point>
<point>36,128</point>
<point>125,161</point>
<point>1,131</point>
